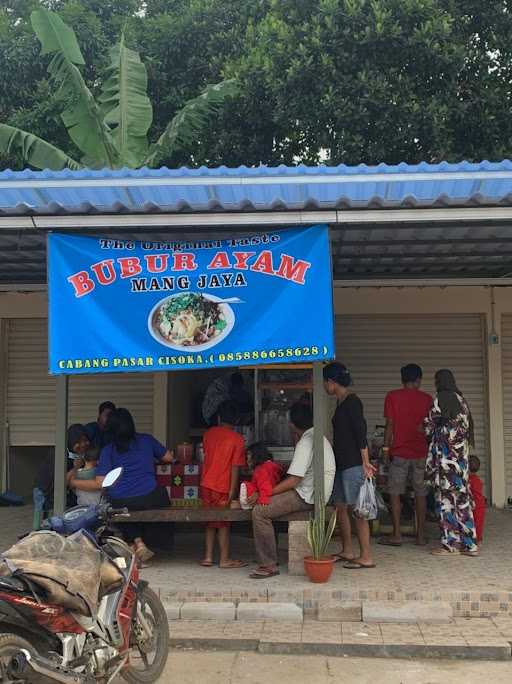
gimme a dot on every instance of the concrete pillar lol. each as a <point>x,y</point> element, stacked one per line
<point>61,451</point>
<point>318,437</point>
<point>495,393</point>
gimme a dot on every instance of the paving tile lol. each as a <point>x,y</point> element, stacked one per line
<point>313,634</point>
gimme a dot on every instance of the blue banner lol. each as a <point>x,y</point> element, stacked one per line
<point>123,306</point>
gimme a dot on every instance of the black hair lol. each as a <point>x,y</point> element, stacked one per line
<point>228,412</point>
<point>338,373</point>
<point>474,464</point>
<point>411,373</point>
<point>105,406</point>
<point>92,454</point>
<point>301,415</point>
<point>259,453</point>
<point>122,427</point>
<point>75,434</point>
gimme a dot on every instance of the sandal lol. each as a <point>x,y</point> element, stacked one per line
<point>355,565</point>
<point>471,554</point>
<point>340,558</point>
<point>444,552</point>
<point>387,541</point>
<point>263,573</point>
<point>233,565</point>
<point>206,563</point>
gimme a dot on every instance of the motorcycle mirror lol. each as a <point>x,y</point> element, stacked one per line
<point>111,478</point>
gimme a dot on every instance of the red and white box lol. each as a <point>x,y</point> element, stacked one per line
<point>181,481</point>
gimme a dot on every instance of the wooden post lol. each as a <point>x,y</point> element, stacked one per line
<point>318,441</point>
<point>61,451</point>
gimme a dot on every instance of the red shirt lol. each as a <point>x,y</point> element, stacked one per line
<point>407,408</point>
<point>223,449</point>
<point>265,478</point>
<point>477,491</point>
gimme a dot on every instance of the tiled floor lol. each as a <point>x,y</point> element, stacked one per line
<point>406,573</point>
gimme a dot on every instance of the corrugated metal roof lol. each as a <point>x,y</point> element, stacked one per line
<point>438,248</point>
<point>260,188</point>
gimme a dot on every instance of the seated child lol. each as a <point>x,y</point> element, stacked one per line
<point>88,472</point>
<point>265,476</point>
<point>479,501</point>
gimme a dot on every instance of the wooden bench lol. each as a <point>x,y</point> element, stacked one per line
<point>297,540</point>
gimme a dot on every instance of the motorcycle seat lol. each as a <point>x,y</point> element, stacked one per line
<point>12,584</point>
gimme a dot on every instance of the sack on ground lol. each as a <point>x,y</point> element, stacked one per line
<point>366,507</point>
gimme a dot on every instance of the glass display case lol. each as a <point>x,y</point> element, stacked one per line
<point>277,388</point>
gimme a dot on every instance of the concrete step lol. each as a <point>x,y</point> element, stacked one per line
<point>433,613</point>
<point>460,639</point>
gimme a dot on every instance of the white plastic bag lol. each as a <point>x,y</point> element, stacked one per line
<point>366,506</point>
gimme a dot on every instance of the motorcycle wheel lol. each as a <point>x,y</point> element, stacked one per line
<point>9,645</point>
<point>148,657</point>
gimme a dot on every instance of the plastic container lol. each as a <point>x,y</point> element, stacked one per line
<point>185,453</point>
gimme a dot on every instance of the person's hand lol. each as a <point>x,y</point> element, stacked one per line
<point>386,455</point>
<point>253,499</point>
<point>369,470</point>
<point>78,463</point>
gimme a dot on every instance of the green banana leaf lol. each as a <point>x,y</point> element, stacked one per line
<point>188,122</point>
<point>81,115</point>
<point>35,151</point>
<point>125,106</point>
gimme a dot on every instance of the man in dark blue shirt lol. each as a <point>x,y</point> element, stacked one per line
<point>97,432</point>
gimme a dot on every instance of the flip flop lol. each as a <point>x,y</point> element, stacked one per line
<point>340,558</point>
<point>233,565</point>
<point>206,563</point>
<point>470,554</point>
<point>442,552</point>
<point>353,565</point>
<point>386,541</point>
<point>263,574</point>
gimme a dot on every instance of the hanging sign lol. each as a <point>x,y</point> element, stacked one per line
<point>121,306</point>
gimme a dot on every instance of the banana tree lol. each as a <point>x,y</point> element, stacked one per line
<point>111,130</point>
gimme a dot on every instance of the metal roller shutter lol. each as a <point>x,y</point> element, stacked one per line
<point>134,391</point>
<point>506,351</point>
<point>375,348</point>
<point>31,390</point>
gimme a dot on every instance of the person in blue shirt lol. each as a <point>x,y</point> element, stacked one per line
<point>99,432</point>
<point>137,488</point>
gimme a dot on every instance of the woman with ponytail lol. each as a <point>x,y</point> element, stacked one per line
<point>352,464</point>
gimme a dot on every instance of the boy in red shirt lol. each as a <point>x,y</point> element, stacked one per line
<point>477,493</point>
<point>405,449</point>
<point>224,455</point>
<point>265,476</point>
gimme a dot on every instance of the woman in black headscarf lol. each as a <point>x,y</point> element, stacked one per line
<point>449,426</point>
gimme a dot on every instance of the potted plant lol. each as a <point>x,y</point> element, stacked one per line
<point>319,565</point>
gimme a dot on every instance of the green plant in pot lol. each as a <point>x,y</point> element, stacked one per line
<point>319,565</point>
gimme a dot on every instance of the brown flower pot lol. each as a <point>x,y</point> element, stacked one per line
<point>319,571</point>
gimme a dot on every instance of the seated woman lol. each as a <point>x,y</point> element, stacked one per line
<point>137,488</point>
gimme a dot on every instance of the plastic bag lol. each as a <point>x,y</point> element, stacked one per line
<point>366,506</point>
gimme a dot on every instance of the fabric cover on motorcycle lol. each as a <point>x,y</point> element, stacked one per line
<point>72,570</point>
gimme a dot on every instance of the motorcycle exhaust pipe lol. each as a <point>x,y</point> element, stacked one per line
<point>34,669</point>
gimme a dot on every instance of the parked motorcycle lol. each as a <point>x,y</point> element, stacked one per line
<point>42,642</point>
